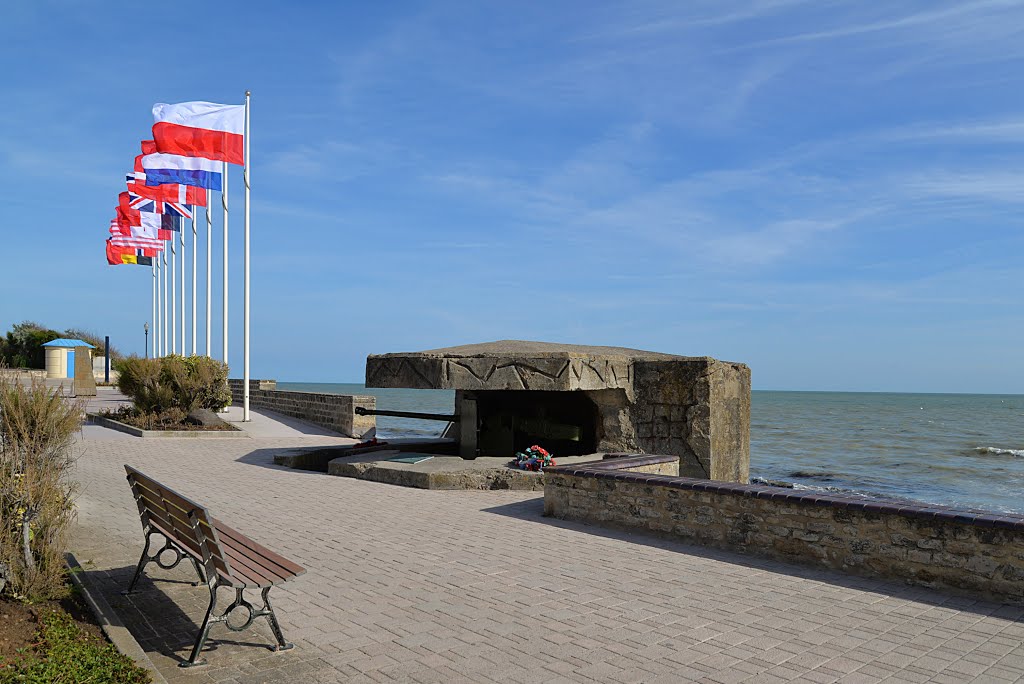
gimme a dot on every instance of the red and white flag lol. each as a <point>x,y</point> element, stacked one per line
<point>200,129</point>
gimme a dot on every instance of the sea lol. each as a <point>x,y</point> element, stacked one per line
<point>962,450</point>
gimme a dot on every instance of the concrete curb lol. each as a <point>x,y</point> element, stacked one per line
<point>165,434</point>
<point>111,624</point>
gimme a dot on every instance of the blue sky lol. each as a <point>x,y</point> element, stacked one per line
<point>830,192</point>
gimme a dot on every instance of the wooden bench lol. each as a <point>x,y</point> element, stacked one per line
<point>221,556</point>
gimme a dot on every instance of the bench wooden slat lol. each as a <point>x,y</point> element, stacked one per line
<point>274,562</point>
<point>250,570</point>
<point>190,547</point>
<point>173,524</point>
<point>169,498</point>
<point>176,509</point>
<point>246,573</point>
<point>253,562</point>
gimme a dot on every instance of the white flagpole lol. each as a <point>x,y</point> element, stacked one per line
<point>245,261</point>
<point>224,203</point>
<point>209,266</point>
<point>195,237</point>
<point>174,300</point>
<point>152,318</point>
<point>164,326</point>
<point>156,319</point>
<point>181,236</point>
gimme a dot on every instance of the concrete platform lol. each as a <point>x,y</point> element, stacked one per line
<point>443,472</point>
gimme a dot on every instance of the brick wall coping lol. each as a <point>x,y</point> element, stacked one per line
<point>615,469</point>
<point>239,383</point>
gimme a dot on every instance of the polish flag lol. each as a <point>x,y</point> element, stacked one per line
<point>200,129</point>
<point>172,168</point>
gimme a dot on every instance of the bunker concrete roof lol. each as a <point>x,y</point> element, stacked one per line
<point>517,365</point>
<point>526,348</point>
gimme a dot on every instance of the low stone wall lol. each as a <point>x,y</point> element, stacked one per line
<point>333,411</point>
<point>23,374</point>
<point>981,554</point>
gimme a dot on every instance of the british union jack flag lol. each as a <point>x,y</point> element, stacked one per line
<point>156,206</point>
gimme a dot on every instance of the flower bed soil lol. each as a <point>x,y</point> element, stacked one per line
<point>142,423</point>
<point>19,623</point>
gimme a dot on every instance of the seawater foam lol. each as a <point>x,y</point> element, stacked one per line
<point>1000,452</point>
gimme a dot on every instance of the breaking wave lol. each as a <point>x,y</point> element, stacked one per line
<point>1019,453</point>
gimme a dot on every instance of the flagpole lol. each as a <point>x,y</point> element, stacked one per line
<point>156,318</point>
<point>164,327</point>
<point>245,306</point>
<point>195,254</point>
<point>224,203</point>
<point>153,315</point>
<point>174,299</point>
<point>209,266</point>
<point>158,329</point>
<point>181,237</point>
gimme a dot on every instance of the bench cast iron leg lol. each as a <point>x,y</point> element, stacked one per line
<point>143,560</point>
<point>282,645</point>
<point>199,571</point>
<point>204,632</point>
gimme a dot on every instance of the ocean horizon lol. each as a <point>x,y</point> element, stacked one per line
<point>956,449</point>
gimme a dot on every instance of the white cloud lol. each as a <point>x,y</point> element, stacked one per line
<point>985,187</point>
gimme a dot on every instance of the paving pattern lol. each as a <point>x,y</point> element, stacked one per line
<point>407,585</point>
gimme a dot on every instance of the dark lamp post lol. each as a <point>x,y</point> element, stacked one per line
<point>145,327</point>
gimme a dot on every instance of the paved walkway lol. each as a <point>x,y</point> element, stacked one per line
<point>407,585</point>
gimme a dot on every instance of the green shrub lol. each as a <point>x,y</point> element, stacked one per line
<point>174,383</point>
<point>64,653</point>
<point>23,345</point>
<point>37,427</point>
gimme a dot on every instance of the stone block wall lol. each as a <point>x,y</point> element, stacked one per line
<point>332,411</point>
<point>975,553</point>
<point>698,409</point>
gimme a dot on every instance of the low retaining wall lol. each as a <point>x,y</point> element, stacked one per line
<point>981,554</point>
<point>103,421</point>
<point>332,411</point>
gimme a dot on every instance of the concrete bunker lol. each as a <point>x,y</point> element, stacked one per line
<point>577,399</point>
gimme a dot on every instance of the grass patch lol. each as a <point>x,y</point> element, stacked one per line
<point>65,653</point>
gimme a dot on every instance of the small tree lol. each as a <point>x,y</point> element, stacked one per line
<point>37,427</point>
<point>23,345</point>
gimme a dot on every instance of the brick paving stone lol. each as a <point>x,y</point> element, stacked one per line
<point>407,585</point>
<point>998,674</point>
